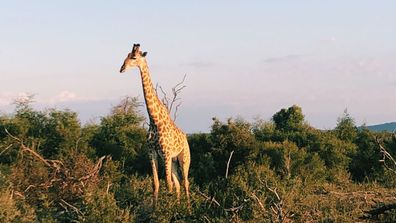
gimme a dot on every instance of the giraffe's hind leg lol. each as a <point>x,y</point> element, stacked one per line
<point>154,165</point>
<point>168,173</point>
<point>176,179</point>
<point>184,161</point>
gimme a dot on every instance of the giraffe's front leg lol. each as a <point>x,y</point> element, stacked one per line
<point>168,172</point>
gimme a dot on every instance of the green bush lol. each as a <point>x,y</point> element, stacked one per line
<point>52,169</point>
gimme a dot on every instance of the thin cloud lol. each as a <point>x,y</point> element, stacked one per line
<point>7,98</point>
<point>198,64</point>
<point>329,40</point>
<point>286,58</point>
<point>64,96</point>
<point>70,96</point>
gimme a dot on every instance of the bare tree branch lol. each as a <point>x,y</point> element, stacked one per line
<point>30,186</point>
<point>176,110</point>
<point>164,99</point>
<point>95,170</point>
<point>233,209</point>
<point>72,207</point>
<point>277,206</point>
<point>176,90</point>
<point>59,172</point>
<point>387,159</point>
<point>108,187</point>
<point>207,219</point>
<point>50,163</point>
<point>258,201</point>
<point>212,200</point>
<point>172,103</point>
<point>10,135</point>
<point>6,149</point>
<point>228,164</point>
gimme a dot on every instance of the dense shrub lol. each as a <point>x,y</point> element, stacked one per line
<point>52,169</point>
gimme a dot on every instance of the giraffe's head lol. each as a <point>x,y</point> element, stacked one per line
<point>134,58</point>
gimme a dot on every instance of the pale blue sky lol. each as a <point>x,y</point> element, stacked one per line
<point>247,58</point>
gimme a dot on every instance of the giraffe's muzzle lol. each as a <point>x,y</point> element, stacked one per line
<point>122,70</point>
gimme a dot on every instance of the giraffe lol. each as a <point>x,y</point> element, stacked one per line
<point>165,139</point>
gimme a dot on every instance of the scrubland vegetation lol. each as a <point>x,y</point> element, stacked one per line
<point>53,169</point>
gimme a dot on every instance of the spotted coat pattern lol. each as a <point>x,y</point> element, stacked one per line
<point>165,139</point>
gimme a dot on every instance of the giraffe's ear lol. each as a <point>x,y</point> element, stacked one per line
<point>143,54</point>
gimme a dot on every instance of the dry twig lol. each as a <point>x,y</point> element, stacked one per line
<point>211,199</point>
<point>258,201</point>
<point>234,209</point>
<point>95,170</point>
<point>228,164</point>
<point>277,206</point>
<point>50,163</point>
<point>70,206</point>
<point>5,149</point>
<point>172,102</point>
<point>387,159</point>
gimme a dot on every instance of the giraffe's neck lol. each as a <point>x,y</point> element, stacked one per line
<point>157,111</point>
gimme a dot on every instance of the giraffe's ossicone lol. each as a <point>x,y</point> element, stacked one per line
<point>165,139</point>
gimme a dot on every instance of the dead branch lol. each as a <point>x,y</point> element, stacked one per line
<point>95,170</point>
<point>30,186</point>
<point>50,163</point>
<point>164,99</point>
<point>176,110</point>
<point>71,206</point>
<point>228,164</point>
<point>19,194</point>
<point>387,159</point>
<point>234,209</point>
<point>5,149</point>
<point>108,187</point>
<point>13,137</point>
<point>176,90</point>
<point>207,219</point>
<point>277,206</point>
<point>59,172</point>
<point>258,201</point>
<point>36,155</point>
<point>211,199</point>
<point>172,103</point>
